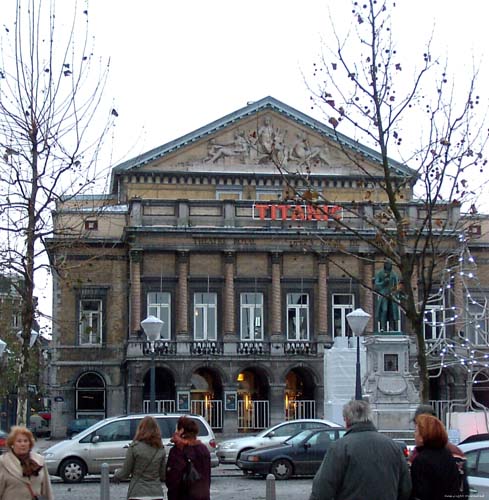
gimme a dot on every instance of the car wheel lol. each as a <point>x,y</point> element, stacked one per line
<point>72,470</point>
<point>282,469</point>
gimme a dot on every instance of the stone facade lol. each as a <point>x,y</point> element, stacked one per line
<point>252,286</point>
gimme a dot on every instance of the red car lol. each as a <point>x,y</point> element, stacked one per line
<point>3,441</point>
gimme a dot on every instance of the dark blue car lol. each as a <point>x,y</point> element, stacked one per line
<point>300,455</point>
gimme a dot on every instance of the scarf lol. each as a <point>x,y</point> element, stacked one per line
<point>29,466</point>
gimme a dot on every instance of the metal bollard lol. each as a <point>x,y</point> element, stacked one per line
<point>270,494</point>
<point>104,482</point>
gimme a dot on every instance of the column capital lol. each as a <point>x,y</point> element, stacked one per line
<point>183,256</point>
<point>323,258</point>
<point>136,255</point>
<point>276,256</point>
<point>229,257</point>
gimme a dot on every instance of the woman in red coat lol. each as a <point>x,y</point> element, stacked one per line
<point>188,448</point>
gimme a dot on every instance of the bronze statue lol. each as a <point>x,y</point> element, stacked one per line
<point>386,310</point>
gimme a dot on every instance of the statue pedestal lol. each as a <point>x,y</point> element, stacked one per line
<point>388,384</point>
<point>339,375</point>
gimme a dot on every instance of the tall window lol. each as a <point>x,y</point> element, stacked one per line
<point>205,316</point>
<point>159,305</point>
<point>297,316</point>
<point>434,321</point>
<point>251,316</point>
<point>343,304</point>
<point>477,323</point>
<point>90,321</point>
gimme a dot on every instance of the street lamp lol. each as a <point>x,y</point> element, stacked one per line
<point>152,328</point>
<point>32,340</point>
<point>358,320</point>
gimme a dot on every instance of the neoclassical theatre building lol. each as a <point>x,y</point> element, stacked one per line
<point>205,234</point>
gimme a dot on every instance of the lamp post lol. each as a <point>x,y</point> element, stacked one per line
<point>152,328</point>
<point>358,320</point>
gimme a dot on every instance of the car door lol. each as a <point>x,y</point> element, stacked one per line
<point>108,444</point>
<point>316,447</point>
<point>478,472</point>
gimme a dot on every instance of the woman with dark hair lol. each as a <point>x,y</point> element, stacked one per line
<point>23,475</point>
<point>144,463</point>
<point>434,472</point>
<point>188,452</point>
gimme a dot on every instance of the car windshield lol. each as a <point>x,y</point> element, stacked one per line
<point>298,438</point>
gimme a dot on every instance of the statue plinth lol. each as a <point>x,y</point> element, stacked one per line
<point>388,383</point>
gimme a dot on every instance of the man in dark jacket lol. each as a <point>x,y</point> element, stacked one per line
<point>363,463</point>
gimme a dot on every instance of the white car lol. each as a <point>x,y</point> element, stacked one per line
<point>229,451</point>
<point>477,454</point>
<point>107,441</point>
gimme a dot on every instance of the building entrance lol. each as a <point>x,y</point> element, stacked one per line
<point>299,394</point>
<point>164,389</point>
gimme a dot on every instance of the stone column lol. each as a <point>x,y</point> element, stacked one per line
<point>182,294</point>
<point>323,298</point>
<point>136,257</point>
<point>277,403</point>
<point>229,315</point>
<point>276,309</point>
<point>366,295</point>
<point>230,418</point>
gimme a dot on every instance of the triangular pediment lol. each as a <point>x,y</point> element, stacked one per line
<point>257,138</point>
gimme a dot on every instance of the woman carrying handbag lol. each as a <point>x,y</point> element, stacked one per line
<point>23,475</point>
<point>188,472</point>
<point>145,463</point>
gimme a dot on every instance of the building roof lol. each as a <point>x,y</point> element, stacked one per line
<point>267,103</point>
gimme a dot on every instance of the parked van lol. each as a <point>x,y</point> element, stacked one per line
<point>107,442</point>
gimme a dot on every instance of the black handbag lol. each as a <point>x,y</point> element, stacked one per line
<point>190,474</point>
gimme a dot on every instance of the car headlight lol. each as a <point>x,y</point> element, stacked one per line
<point>227,444</point>
<point>47,454</point>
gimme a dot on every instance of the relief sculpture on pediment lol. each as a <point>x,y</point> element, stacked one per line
<point>268,144</point>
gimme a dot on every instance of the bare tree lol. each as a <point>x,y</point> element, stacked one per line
<point>48,102</point>
<point>362,87</point>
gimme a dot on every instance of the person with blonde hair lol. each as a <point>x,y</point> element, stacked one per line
<point>434,472</point>
<point>23,474</point>
<point>145,463</point>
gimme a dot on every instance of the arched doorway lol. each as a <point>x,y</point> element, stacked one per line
<point>90,396</point>
<point>253,400</point>
<point>164,391</point>
<point>480,389</point>
<point>299,394</point>
<point>206,396</point>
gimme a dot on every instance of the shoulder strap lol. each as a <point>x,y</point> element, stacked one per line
<point>29,487</point>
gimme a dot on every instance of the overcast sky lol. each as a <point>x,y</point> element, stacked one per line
<point>177,65</point>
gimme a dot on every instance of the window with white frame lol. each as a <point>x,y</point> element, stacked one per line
<point>251,316</point>
<point>434,321</point>
<point>477,323</point>
<point>343,304</point>
<point>159,305</point>
<point>297,316</point>
<point>205,316</point>
<point>90,322</point>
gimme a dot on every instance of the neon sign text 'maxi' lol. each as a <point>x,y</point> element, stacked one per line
<point>273,211</point>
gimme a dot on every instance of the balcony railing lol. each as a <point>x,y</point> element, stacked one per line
<point>184,348</point>
<point>250,348</point>
<point>206,347</point>
<point>302,348</point>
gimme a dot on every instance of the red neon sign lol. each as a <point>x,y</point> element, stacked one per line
<point>272,211</point>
